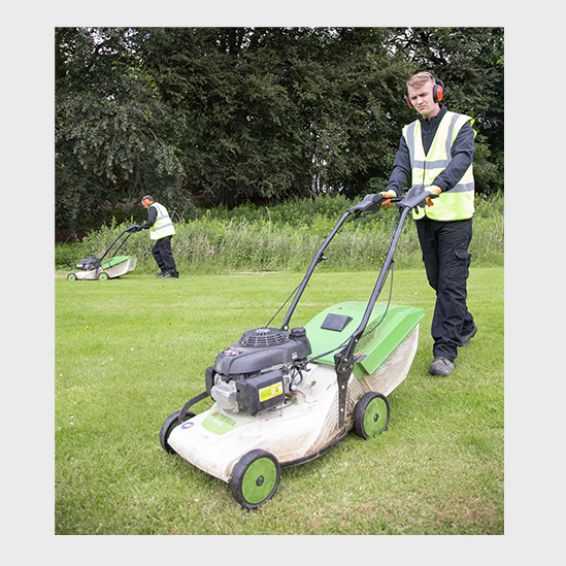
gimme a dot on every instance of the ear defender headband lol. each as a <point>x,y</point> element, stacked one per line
<point>437,91</point>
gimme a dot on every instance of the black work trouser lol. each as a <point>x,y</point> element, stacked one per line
<point>447,261</point>
<point>164,256</point>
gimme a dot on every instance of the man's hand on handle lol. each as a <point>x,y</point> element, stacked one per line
<point>387,195</point>
<point>432,190</point>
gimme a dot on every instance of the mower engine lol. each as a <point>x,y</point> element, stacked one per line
<point>259,371</point>
<point>88,263</point>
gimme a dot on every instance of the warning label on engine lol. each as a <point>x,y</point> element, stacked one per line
<point>273,390</point>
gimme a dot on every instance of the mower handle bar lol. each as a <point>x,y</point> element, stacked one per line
<point>126,231</point>
<point>370,203</point>
<point>382,277</point>
<point>318,257</point>
<point>416,196</point>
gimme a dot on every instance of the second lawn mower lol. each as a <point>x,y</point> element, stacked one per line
<point>91,268</point>
<point>284,396</point>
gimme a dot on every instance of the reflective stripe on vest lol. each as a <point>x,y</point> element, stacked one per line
<point>456,203</point>
<point>163,226</point>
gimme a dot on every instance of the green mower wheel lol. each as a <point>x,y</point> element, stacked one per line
<point>71,277</point>
<point>371,415</point>
<point>103,276</point>
<point>255,479</point>
<point>168,425</point>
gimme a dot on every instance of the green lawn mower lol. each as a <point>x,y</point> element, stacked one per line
<point>283,396</point>
<point>92,268</point>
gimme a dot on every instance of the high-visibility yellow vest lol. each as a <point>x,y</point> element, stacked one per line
<point>456,203</point>
<point>163,226</point>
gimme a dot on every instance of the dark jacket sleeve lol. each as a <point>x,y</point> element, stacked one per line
<point>401,173</point>
<point>462,157</point>
<point>151,216</point>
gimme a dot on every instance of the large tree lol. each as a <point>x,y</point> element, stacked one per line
<point>226,115</point>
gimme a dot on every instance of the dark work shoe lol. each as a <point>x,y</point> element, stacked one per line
<point>467,337</point>
<point>441,366</point>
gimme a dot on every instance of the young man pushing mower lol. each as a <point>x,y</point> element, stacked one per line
<point>437,151</point>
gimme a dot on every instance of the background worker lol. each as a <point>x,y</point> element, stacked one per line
<point>437,151</point>
<point>161,230</point>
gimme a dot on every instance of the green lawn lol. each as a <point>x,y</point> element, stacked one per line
<point>132,350</point>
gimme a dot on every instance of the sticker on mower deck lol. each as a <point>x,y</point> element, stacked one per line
<point>271,391</point>
<point>218,423</point>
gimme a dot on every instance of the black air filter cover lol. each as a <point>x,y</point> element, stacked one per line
<point>260,349</point>
<point>263,337</point>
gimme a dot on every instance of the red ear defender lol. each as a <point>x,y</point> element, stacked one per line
<point>408,101</point>
<point>438,93</point>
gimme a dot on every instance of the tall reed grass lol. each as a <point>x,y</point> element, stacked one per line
<point>286,236</point>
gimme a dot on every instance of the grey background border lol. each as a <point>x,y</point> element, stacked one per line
<point>534,376</point>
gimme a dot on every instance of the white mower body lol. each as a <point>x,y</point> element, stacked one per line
<point>295,431</point>
<point>115,267</point>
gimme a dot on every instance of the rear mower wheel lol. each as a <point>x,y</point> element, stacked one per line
<point>103,276</point>
<point>255,478</point>
<point>168,425</point>
<point>71,277</point>
<point>371,415</point>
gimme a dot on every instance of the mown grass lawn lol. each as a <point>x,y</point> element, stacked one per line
<point>132,350</point>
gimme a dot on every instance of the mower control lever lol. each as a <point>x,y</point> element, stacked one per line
<point>369,204</point>
<point>416,196</point>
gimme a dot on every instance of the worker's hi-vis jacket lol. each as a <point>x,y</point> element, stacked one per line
<point>163,226</point>
<point>458,202</point>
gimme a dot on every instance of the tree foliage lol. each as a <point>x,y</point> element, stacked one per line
<point>230,115</point>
